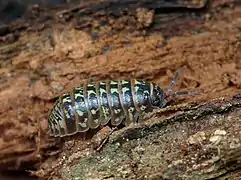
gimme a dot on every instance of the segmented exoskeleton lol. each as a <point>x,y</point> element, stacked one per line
<point>96,104</point>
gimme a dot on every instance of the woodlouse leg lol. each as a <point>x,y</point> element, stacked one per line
<point>84,135</point>
<point>105,139</point>
<point>137,117</point>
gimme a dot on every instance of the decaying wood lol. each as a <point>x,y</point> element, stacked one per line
<point>39,17</point>
<point>199,141</point>
<point>191,141</point>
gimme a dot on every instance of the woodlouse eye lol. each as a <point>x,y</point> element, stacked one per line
<point>156,102</point>
<point>157,97</point>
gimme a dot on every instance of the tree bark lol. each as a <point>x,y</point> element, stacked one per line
<point>196,142</point>
<point>40,58</point>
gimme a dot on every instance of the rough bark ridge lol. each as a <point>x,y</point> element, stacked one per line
<point>197,142</point>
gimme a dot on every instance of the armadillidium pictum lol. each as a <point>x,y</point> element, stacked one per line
<point>96,104</point>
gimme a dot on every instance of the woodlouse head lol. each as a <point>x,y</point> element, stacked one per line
<point>157,97</point>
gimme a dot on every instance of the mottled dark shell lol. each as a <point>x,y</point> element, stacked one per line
<point>92,105</point>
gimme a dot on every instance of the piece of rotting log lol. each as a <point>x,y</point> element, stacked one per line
<point>187,141</point>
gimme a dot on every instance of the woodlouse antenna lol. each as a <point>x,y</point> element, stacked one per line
<point>170,95</point>
<point>177,75</point>
<point>189,93</point>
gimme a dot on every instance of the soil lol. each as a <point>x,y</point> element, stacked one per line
<point>42,58</point>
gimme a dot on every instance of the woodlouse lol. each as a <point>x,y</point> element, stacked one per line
<point>118,101</point>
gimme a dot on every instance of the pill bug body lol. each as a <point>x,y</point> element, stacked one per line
<point>96,104</point>
<point>93,105</point>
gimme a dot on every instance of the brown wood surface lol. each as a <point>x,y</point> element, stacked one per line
<point>51,50</point>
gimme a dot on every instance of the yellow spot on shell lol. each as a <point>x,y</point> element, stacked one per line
<point>131,109</point>
<point>76,95</point>
<point>96,121</point>
<point>137,82</point>
<point>113,82</point>
<point>117,111</point>
<point>113,90</point>
<point>93,111</point>
<point>125,82</point>
<point>80,113</point>
<point>67,99</point>
<point>83,125</point>
<point>125,89</point>
<point>91,92</point>
<point>117,119</point>
<point>102,91</point>
<point>143,108</point>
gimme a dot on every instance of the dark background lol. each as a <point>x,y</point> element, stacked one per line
<point>13,9</point>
